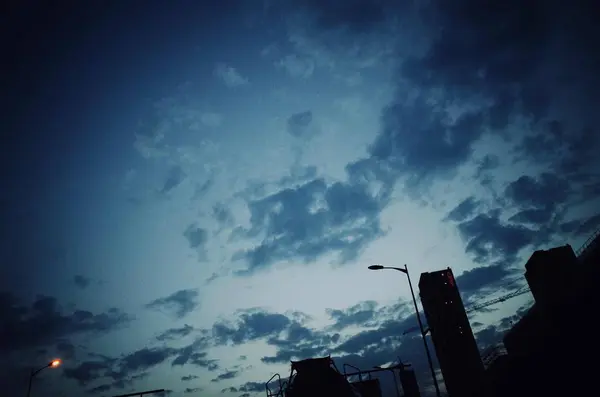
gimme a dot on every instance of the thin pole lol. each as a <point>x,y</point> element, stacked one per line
<point>435,383</point>
<point>30,380</point>
<point>396,383</point>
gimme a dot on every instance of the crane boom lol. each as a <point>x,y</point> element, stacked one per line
<point>482,305</point>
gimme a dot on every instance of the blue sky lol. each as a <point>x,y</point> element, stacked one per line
<point>192,191</point>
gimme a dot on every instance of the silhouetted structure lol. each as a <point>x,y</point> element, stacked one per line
<point>408,380</point>
<point>368,387</point>
<point>451,333</point>
<point>316,377</point>
<point>549,351</point>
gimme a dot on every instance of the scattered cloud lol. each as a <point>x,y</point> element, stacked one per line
<point>81,281</point>
<point>488,239</point>
<point>175,177</point>
<point>211,120</point>
<point>225,376</point>
<point>179,304</point>
<point>464,210</point>
<point>175,333</point>
<point>45,323</point>
<point>306,221</point>
<point>297,66</point>
<point>188,378</point>
<point>299,124</point>
<point>230,76</point>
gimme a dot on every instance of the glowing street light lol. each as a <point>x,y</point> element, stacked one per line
<point>52,364</point>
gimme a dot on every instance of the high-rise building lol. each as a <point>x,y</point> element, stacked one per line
<point>451,334</point>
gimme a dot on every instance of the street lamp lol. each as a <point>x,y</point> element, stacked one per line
<point>423,332</point>
<point>52,364</point>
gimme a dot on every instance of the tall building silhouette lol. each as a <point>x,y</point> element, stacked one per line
<point>451,333</point>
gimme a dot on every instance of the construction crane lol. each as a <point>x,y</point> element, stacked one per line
<point>478,306</point>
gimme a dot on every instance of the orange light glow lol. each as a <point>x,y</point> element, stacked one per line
<point>55,363</point>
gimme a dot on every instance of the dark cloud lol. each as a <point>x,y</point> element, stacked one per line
<point>146,358</point>
<point>360,314</point>
<point>45,323</point>
<point>188,378</point>
<point>223,215</point>
<point>419,141</point>
<point>252,387</point>
<point>193,355</point>
<point>463,210</point>
<point>202,189</point>
<point>175,333</point>
<point>545,192</point>
<point>252,324</point>
<point>488,163</point>
<point>189,390</point>
<point>174,179</point>
<point>357,16</point>
<point>65,349</point>
<point>226,375</point>
<point>482,279</point>
<point>88,371</point>
<point>298,124</point>
<point>124,371</point>
<point>179,304</point>
<point>196,236</point>
<point>229,390</point>
<point>81,281</point>
<point>309,220</point>
<point>488,239</point>
<point>581,227</point>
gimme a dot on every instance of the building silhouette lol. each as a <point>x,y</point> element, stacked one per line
<point>451,333</point>
<point>408,380</point>
<point>552,349</point>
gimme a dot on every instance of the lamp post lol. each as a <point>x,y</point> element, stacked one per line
<point>52,364</point>
<point>423,332</point>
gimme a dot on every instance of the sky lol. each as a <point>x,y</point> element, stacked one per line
<point>193,190</point>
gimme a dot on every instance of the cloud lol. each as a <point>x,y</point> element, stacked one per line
<point>44,323</point>
<point>179,304</point>
<point>81,281</point>
<point>190,355</point>
<point>211,120</point>
<point>146,358</point>
<point>222,214</point>
<point>125,370</point>
<point>188,378</point>
<point>252,324</point>
<point>189,390</point>
<point>196,236</point>
<point>229,75</point>
<point>482,279</point>
<point>420,140</point>
<point>488,239</point>
<point>297,66</point>
<point>306,221</point>
<point>360,314</point>
<point>464,210</point>
<point>298,124</point>
<point>175,176</point>
<point>175,333</point>
<point>225,376</point>
<point>65,349</point>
